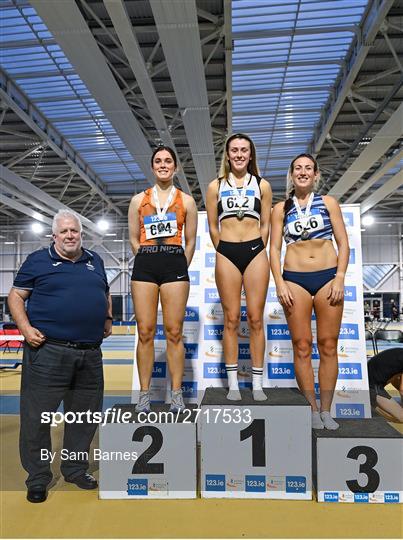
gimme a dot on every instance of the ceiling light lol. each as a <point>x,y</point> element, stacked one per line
<point>37,227</point>
<point>103,225</point>
<point>368,220</point>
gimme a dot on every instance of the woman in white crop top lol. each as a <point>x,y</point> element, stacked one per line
<point>238,209</point>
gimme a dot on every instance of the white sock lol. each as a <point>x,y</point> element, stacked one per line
<point>257,380</point>
<point>328,421</point>
<point>317,421</point>
<point>232,374</point>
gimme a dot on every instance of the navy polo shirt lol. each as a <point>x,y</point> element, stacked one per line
<point>69,300</point>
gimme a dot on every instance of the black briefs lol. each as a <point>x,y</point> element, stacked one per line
<point>241,253</point>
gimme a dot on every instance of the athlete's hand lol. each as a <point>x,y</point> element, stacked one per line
<point>336,291</point>
<point>33,336</point>
<point>284,295</point>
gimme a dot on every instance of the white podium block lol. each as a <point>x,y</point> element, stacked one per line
<point>361,462</point>
<point>151,457</point>
<point>256,449</point>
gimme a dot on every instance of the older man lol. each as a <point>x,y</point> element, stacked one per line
<point>68,314</point>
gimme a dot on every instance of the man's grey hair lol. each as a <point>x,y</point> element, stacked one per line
<point>64,214</point>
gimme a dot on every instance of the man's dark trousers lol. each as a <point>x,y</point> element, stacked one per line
<point>52,374</point>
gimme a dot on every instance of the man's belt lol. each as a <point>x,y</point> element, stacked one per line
<point>74,344</point>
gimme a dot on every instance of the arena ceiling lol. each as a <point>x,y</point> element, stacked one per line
<point>88,88</point>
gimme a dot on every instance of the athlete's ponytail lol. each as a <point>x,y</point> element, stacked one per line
<point>288,204</point>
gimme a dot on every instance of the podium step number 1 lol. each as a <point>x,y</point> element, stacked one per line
<point>255,449</point>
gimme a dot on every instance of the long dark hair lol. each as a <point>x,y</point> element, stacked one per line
<point>168,149</point>
<point>290,189</point>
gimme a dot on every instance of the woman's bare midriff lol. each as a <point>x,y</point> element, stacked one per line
<point>310,256</point>
<point>239,230</point>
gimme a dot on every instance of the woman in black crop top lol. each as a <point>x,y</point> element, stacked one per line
<point>238,209</point>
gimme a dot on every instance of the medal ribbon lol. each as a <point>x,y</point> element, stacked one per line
<point>240,198</point>
<point>161,213</point>
<point>303,216</point>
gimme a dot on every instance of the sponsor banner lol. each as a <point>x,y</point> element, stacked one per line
<point>214,370</point>
<point>281,371</point>
<point>243,351</point>
<point>191,351</point>
<point>350,371</point>
<point>137,486</point>
<point>209,260</point>
<point>214,482</point>
<point>194,277</point>
<point>191,314</point>
<point>378,497</point>
<point>255,483</point>
<point>348,218</point>
<point>211,295</point>
<point>159,370</point>
<point>278,332</point>
<point>212,350</point>
<point>213,331</point>
<point>350,410</point>
<point>189,389</point>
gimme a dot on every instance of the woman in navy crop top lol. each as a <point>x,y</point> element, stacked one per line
<point>313,277</point>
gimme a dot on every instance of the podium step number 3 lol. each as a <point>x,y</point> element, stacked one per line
<point>361,462</point>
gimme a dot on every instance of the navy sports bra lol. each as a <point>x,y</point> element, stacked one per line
<point>229,202</point>
<point>317,224</point>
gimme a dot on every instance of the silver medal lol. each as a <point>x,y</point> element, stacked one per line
<point>304,216</point>
<point>240,198</point>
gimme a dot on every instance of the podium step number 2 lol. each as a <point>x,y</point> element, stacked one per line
<point>153,460</point>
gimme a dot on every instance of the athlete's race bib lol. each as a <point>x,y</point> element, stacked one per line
<point>312,223</point>
<point>160,228</point>
<point>231,200</point>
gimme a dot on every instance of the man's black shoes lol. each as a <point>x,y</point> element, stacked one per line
<point>37,494</point>
<point>84,481</point>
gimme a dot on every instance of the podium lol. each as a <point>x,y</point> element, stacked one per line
<point>149,456</point>
<point>361,462</point>
<point>256,449</point>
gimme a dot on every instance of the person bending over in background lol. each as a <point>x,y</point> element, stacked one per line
<point>386,368</point>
